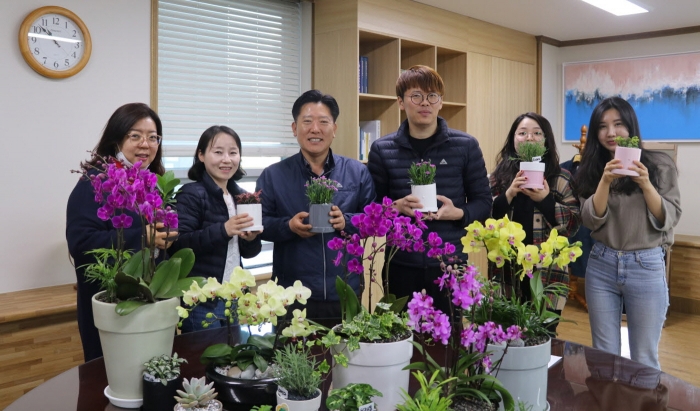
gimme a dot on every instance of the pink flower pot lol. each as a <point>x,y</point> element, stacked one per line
<point>627,155</point>
<point>534,171</point>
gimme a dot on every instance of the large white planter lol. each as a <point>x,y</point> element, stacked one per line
<point>304,405</point>
<point>379,365</point>
<point>253,210</point>
<point>427,194</point>
<point>627,155</point>
<point>523,373</point>
<point>534,171</point>
<point>131,340</point>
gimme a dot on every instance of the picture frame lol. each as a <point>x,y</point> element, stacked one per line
<point>664,91</point>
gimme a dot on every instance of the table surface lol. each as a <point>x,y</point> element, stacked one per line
<point>585,379</point>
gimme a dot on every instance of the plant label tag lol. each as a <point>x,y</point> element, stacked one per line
<point>367,407</point>
<point>536,159</point>
<point>282,392</point>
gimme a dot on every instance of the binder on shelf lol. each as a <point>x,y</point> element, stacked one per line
<point>362,74</point>
<point>370,131</point>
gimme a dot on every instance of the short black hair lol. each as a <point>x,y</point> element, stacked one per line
<point>315,96</point>
<point>198,169</point>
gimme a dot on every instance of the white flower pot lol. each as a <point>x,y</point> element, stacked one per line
<point>379,365</point>
<point>627,155</point>
<point>534,171</point>
<point>523,373</point>
<point>427,194</point>
<point>131,340</point>
<point>253,210</point>
<point>302,405</point>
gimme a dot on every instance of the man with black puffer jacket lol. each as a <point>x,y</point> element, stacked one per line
<point>462,184</point>
<point>298,253</point>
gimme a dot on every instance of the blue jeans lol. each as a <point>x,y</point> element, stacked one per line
<point>198,314</point>
<point>637,278</point>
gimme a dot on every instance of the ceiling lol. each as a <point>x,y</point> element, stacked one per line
<point>573,19</point>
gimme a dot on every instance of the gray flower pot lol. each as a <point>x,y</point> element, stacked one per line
<point>319,218</point>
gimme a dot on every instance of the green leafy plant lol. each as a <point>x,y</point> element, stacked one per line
<point>429,396</point>
<point>164,367</point>
<point>629,142</point>
<point>261,408</point>
<point>351,397</point>
<point>298,371</point>
<point>197,393</point>
<point>134,278</point>
<point>527,150</point>
<point>321,190</point>
<point>421,174</point>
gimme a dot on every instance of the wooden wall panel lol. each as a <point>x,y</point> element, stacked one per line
<point>684,282</point>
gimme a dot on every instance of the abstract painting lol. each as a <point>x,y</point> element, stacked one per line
<point>664,91</point>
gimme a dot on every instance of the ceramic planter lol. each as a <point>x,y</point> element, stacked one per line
<point>379,364</point>
<point>427,194</point>
<point>237,391</point>
<point>159,397</point>
<point>213,405</point>
<point>627,155</point>
<point>319,218</point>
<point>523,372</point>
<point>300,405</point>
<point>129,341</point>
<point>534,171</point>
<point>253,210</point>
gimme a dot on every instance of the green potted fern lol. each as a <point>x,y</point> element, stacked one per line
<point>627,151</point>
<point>530,154</point>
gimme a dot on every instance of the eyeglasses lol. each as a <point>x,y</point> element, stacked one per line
<point>535,134</point>
<point>153,140</point>
<point>418,98</point>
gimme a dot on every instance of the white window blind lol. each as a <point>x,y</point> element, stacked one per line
<point>229,62</point>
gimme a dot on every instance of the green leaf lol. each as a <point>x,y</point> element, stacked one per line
<point>186,255</point>
<point>349,304</point>
<point>260,362</point>
<point>261,341</point>
<point>165,277</point>
<point>138,264</point>
<point>127,307</point>
<point>182,285</point>
<point>215,352</point>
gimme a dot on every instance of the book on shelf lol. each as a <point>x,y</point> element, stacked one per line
<point>362,74</point>
<point>369,132</point>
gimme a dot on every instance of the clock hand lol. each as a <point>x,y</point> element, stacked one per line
<point>55,42</point>
<point>46,30</point>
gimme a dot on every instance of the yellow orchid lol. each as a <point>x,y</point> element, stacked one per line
<point>230,291</point>
<point>558,242</point>
<point>475,229</point>
<point>470,243</point>
<point>512,233</point>
<point>568,255</point>
<point>182,312</point>
<point>301,293</point>
<point>211,288</point>
<point>491,225</point>
<point>242,278</point>
<point>194,295</point>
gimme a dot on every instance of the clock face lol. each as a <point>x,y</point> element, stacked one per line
<point>55,42</point>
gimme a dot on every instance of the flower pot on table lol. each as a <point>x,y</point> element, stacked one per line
<point>427,194</point>
<point>253,210</point>
<point>129,341</point>
<point>159,397</point>
<point>238,391</point>
<point>523,372</point>
<point>299,405</point>
<point>319,218</point>
<point>627,155</point>
<point>534,171</point>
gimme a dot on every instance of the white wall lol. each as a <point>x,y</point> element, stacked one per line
<point>552,84</point>
<point>47,126</point>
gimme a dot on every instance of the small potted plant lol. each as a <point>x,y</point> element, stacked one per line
<point>298,377</point>
<point>530,154</point>
<point>422,179</point>
<point>161,378</point>
<point>320,192</point>
<point>429,397</point>
<point>197,396</point>
<point>249,203</point>
<point>627,151</point>
<point>353,397</point>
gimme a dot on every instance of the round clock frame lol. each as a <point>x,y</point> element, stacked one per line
<point>60,57</point>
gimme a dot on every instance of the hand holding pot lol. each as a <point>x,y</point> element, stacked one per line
<point>537,194</point>
<point>514,188</point>
<point>407,205</point>
<point>337,218</point>
<point>608,175</point>
<point>448,211</point>
<point>236,224</point>
<point>298,227</point>
<point>643,178</point>
<point>163,238</point>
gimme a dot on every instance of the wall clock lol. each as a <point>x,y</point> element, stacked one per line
<point>55,42</point>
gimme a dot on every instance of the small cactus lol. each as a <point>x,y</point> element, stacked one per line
<point>197,393</point>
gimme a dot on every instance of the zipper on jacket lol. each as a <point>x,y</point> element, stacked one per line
<point>323,242</point>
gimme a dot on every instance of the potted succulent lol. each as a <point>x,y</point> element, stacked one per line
<point>249,203</point>
<point>422,179</point>
<point>353,397</point>
<point>530,155</point>
<point>135,314</point>
<point>320,192</point>
<point>197,395</point>
<point>299,377</point>
<point>627,150</point>
<point>161,378</point>
<point>242,373</point>
<point>375,345</point>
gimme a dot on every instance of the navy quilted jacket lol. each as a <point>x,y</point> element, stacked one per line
<point>460,176</point>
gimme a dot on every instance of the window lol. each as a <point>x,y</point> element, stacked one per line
<point>231,62</point>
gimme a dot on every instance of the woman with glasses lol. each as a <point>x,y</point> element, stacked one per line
<point>631,221</point>
<point>208,222</point>
<point>538,210</point>
<point>132,134</point>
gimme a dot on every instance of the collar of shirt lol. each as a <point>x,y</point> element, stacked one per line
<point>327,166</point>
